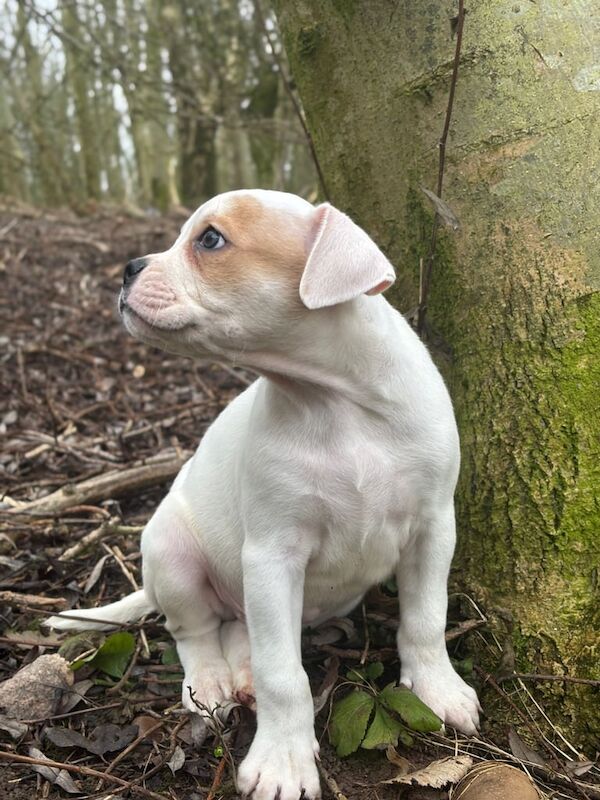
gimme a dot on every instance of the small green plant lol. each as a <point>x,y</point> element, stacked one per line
<point>111,655</point>
<point>372,717</point>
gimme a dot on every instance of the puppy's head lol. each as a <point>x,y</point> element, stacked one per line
<point>246,265</point>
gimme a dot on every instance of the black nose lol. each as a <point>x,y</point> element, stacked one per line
<point>132,269</point>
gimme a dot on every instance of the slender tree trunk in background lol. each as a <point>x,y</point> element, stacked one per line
<point>31,106</point>
<point>161,149</point>
<point>12,161</point>
<point>196,129</point>
<point>78,75</point>
<point>514,302</point>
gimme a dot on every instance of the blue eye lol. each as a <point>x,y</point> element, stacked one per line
<point>211,239</point>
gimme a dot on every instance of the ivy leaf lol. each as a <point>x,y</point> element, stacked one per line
<point>374,670</point>
<point>356,674</point>
<point>113,655</point>
<point>411,710</point>
<point>384,730</point>
<point>349,721</point>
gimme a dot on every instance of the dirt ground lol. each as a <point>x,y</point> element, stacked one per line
<point>81,398</point>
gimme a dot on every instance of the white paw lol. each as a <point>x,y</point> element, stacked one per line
<point>208,688</point>
<point>280,769</point>
<point>445,692</point>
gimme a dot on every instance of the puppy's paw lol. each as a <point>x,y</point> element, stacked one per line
<point>208,689</point>
<point>282,768</point>
<point>445,692</point>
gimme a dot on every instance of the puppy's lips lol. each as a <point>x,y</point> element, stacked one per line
<point>138,319</point>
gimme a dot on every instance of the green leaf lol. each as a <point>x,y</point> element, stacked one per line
<point>383,730</point>
<point>114,655</point>
<point>349,721</point>
<point>407,705</point>
<point>375,670</point>
<point>169,656</point>
<point>356,674</point>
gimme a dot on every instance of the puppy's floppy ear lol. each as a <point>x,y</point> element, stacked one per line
<point>344,262</point>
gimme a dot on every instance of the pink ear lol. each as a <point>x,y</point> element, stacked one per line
<point>344,262</point>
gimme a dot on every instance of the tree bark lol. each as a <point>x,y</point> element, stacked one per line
<point>514,306</point>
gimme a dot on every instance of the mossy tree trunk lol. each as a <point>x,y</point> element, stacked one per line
<point>515,308</point>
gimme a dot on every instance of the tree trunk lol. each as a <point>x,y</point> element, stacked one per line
<point>77,70</point>
<point>514,305</point>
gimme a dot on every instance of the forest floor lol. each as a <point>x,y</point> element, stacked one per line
<point>81,399</point>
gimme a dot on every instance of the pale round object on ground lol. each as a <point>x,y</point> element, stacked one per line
<point>494,780</point>
<point>34,692</point>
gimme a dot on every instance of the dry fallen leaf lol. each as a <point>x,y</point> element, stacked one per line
<point>147,727</point>
<point>74,696</point>
<point>437,774</point>
<point>522,751</point>
<point>177,760</point>
<point>13,727</point>
<point>443,210</point>
<point>95,574</point>
<point>60,777</point>
<point>103,739</point>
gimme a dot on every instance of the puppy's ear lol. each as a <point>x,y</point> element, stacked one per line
<point>344,262</point>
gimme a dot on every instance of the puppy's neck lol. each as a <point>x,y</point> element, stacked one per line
<point>352,349</point>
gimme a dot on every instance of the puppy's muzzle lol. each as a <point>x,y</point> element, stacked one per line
<point>132,270</point>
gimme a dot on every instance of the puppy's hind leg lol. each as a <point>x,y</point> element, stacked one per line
<point>236,649</point>
<point>176,578</point>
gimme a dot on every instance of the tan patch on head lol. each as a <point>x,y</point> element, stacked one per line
<point>261,242</point>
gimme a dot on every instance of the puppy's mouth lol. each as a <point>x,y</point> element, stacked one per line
<point>141,321</point>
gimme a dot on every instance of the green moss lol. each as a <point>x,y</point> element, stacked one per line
<point>308,40</point>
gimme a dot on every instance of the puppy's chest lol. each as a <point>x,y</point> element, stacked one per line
<point>349,491</point>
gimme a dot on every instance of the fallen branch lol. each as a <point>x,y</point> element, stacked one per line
<point>21,600</point>
<point>111,484</point>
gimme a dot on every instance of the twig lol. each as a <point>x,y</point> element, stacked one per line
<point>427,266</point>
<point>217,779</point>
<point>125,677</point>
<point>167,757</point>
<point>297,108</point>
<point>131,747</point>
<point>331,783</point>
<point>106,529</point>
<point>110,484</point>
<point>92,773</point>
<point>530,676</point>
<point>365,651</point>
<point>490,680</point>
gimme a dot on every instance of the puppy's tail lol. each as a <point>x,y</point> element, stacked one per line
<point>104,618</point>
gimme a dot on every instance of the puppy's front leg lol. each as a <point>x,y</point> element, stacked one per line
<point>422,577</point>
<point>281,760</point>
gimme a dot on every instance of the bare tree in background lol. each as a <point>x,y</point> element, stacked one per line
<point>154,103</point>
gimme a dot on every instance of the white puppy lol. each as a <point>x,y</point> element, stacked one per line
<point>332,471</point>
